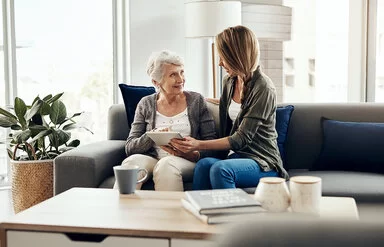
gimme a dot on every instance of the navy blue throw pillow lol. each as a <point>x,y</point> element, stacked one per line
<point>131,96</point>
<point>283,116</point>
<point>351,146</point>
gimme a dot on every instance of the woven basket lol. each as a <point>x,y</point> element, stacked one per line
<point>32,182</point>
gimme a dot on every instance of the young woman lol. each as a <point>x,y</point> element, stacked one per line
<point>247,120</point>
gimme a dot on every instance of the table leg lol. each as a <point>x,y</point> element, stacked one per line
<point>2,237</point>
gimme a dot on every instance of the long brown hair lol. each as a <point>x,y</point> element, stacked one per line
<point>239,48</point>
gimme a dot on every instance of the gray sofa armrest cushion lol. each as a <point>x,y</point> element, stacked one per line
<point>88,165</point>
<point>214,110</point>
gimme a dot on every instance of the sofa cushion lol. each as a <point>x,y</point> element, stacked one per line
<point>131,96</point>
<point>351,146</point>
<point>283,116</point>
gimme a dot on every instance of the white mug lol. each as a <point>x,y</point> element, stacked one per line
<point>273,194</point>
<point>305,194</point>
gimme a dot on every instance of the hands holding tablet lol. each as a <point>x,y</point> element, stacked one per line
<point>167,139</point>
<point>191,156</point>
<point>181,148</point>
<point>163,137</point>
<point>187,144</point>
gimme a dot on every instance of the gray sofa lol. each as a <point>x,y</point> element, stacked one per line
<point>91,165</point>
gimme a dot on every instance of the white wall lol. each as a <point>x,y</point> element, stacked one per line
<point>198,66</point>
<point>154,26</point>
<point>158,25</point>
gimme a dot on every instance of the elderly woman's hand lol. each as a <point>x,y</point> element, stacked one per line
<point>166,129</point>
<point>191,156</point>
<point>187,144</point>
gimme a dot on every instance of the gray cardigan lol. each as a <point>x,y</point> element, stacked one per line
<point>200,119</point>
<point>253,134</point>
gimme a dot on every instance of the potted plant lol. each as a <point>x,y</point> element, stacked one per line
<point>39,133</point>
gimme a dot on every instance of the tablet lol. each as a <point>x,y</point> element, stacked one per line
<point>163,137</point>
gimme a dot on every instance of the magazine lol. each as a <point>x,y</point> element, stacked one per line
<point>219,218</point>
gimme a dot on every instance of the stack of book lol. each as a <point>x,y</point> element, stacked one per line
<point>221,206</point>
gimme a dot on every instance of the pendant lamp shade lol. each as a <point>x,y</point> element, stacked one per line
<point>205,19</point>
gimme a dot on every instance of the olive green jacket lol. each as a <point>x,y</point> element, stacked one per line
<point>253,134</point>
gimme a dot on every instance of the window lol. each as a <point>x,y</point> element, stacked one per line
<point>289,71</point>
<point>325,43</point>
<point>311,72</point>
<point>3,132</point>
<point>62,46</point>
<point>379,90</point>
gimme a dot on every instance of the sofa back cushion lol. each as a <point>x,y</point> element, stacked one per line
<point>304,140</point>
<point>351,146</point>
<point>283,117</point>
<point>131,96</point>
<point>117,125</point>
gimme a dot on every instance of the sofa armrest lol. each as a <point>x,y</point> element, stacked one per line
<point>88,165</point>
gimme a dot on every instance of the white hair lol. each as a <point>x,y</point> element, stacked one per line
<point>155,65</point>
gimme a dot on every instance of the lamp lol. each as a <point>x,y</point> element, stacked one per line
<point>205,19</point>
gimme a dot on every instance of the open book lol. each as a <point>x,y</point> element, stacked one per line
<point>222,201</point>
<point>219,218</point>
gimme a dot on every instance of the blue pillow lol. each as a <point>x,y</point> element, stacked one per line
<point>131,96</point>
<point>283,116</point>
<point>351,146</point>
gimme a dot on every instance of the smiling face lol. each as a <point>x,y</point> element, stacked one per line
<point>173,79</point>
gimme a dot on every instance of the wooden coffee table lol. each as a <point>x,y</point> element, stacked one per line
<point>146,218</point>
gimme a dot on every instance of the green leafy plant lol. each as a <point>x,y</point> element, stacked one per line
<point>41,130</point>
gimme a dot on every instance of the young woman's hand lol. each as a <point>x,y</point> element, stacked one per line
<point>191,156</point>
<point>187,144</point>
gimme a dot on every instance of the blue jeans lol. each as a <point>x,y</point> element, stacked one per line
<point>212,173</point>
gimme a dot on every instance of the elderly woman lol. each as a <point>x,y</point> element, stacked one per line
<point>171,108</point>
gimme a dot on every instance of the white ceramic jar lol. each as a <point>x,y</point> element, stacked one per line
<point>305,194</point>
<point>273,194</point>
